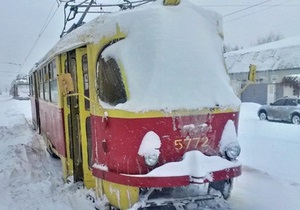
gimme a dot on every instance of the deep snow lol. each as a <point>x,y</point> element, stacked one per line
<point>31,179</point>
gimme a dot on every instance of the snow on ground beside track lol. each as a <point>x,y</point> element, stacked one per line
<point>272,147</point>
<point>270,154</point>
<point>32,180</point>
<point>258,190</point>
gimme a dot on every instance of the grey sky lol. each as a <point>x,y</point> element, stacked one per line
<point>24,40</point>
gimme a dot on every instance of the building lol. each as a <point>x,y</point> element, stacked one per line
<point>274,61</point>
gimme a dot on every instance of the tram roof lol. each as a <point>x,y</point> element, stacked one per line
<point>172,55</point>
<point>105,25</point>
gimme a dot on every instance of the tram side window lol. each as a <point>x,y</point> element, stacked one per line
<point>46,83</point>
<point>86,81</point>
<point>53,83</point>
<point>36,83</point>
<point>32,85</point>
<point>41,80</point>
<point>110,86</point>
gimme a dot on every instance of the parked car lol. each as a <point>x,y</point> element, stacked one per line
<point>284,109</point>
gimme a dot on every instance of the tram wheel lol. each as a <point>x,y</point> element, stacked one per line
<point>222,186</point>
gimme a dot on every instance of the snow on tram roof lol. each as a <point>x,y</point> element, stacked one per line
<point>172,56</point>
<point>105,25</point>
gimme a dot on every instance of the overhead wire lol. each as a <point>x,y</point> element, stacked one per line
<point>44,27</point>
<point>255,5</point>
<point>48,19</point>
<point>278,26</point>
<point>257,11</point>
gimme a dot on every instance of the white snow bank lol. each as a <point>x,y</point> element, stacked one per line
<point>259,190</point>
<point>17,113</point>
<point>272,147</point>
<point>30,178</point>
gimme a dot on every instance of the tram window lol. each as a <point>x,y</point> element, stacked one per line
<point>41,84</point>
<point>110,86</point>
<point>46,83</point>
<point>53,83</point>
<point>32,85</point>
<point>73,70</point>
<point>36,84</point>
<point>86,81</point>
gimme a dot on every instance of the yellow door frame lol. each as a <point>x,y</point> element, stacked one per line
<point>84,114</point>
<point>68,162</point>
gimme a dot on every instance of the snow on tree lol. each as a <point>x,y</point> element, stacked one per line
<point>292,81</point>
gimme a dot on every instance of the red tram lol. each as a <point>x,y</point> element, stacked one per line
<point>140,100</point>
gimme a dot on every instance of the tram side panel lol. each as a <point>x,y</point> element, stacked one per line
<point>52,126</point>
<point>47,112</point>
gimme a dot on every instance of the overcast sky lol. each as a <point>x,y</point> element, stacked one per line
<point>26,33</point>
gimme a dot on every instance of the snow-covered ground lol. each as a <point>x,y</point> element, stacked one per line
<point>271,159</point>
<point>31,179</point>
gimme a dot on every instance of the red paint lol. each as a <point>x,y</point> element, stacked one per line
<point>52,125</point>
<point>123,137</point>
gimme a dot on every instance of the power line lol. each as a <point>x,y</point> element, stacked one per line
<point>48,20</point>
<point>12,63</point>
<point>257,11</point>
<point>247,8</point>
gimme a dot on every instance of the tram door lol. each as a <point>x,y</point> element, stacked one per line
<point>72,120</point>
<point>77,117</point>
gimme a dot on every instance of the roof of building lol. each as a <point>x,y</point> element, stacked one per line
<point>279,55</point>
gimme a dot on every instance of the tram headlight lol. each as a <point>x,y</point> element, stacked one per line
<point>233,151</point>
<point>151,160</point>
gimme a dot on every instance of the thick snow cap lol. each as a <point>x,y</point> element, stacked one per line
<point>172,56</point>
<point>173,59</point>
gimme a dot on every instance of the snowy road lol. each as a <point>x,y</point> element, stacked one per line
<point>31,180</point>
<point>271,159</point>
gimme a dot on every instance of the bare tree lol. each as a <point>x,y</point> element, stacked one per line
<point>228,48</point>
<point>271,37</point>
